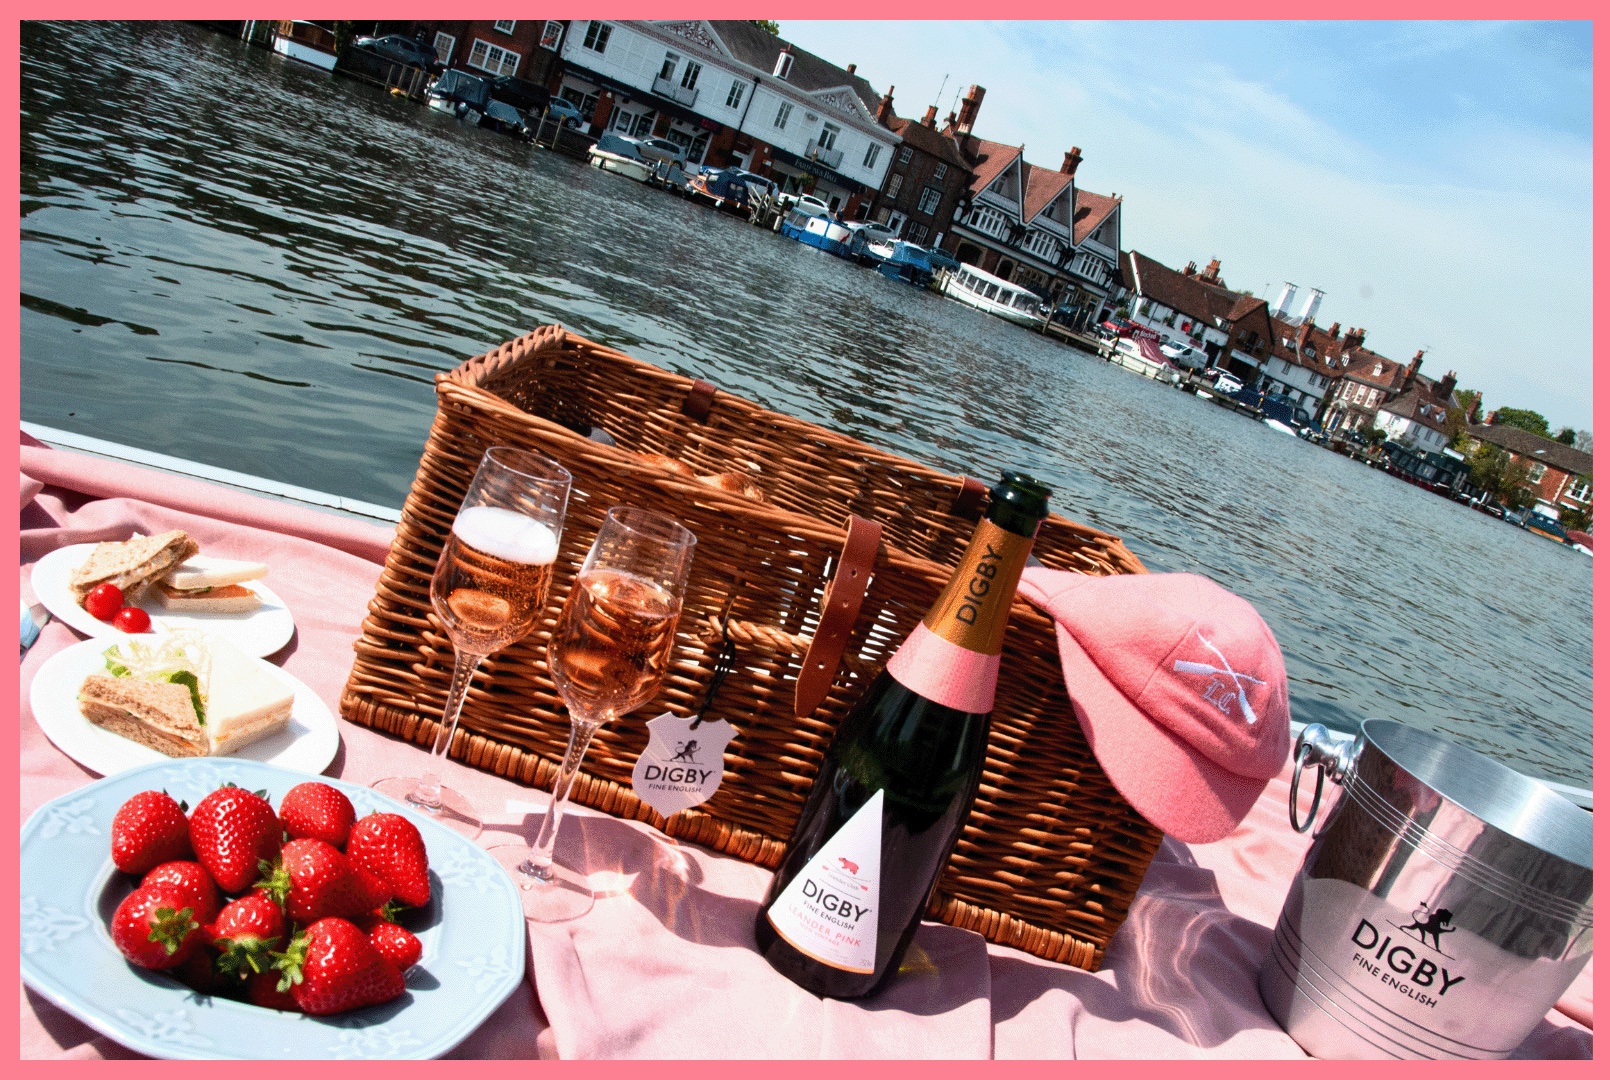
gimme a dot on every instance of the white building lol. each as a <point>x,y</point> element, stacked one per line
<point>729,92</point>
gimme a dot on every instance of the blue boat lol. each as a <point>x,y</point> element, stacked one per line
<point>909,263</point>
<point>828,233</point>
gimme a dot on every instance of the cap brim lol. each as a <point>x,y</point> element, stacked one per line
<point>1175,788</point>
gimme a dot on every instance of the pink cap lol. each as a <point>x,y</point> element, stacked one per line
<point>1180,689</point>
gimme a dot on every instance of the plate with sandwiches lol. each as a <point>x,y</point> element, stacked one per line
<point>116,703</point>
<point>168,578</point>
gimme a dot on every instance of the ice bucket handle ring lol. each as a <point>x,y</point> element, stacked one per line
<point>1333,753</point>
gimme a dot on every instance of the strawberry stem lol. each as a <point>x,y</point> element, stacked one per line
<point>169,928</point>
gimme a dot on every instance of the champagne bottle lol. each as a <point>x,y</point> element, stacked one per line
<point>898,780</point>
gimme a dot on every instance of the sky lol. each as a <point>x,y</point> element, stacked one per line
<point>1433,179</point>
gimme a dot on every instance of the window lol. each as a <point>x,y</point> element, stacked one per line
<point>905,155</point>
<point>896,222</point>
<point>1580,486</point>
<point>552,31</point>
<point>504,26</point>
<point>783,112</point>
<point>492,59</point>
<point>690,75</point>
<point>668,67</point>
<point>895,180</point>
<point>940,170</point>
<point>1534,475</point>
<point>785,64</point>
<point>928,202</point>
<point>999,187</point>
<point>735,96</point>
<point>919,233</point>
<point>829,136</point>
<point>871,159</point>
<point>597,36</point>
<point>445,44</point>
<point>1377,369</point>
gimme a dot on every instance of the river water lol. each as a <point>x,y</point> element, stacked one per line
<point>243,261</point>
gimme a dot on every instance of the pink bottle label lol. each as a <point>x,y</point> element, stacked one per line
<point>959,678</point>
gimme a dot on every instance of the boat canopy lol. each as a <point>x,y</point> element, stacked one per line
<point>457,85</point>
<point>994,289</point>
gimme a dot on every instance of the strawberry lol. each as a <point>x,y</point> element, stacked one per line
<point>263,990</point>
<point>331,968</point>
<point>385,913</point>
<point>198,972</point>
<point>245,931</point>
<point>315,881</point>
<point>154,928</point>
<point>232,830</point>
<point>396,944</point>
<point>193,882</point>
<point>147,831</point>
<point>319,812</point>
<point>389,846</point>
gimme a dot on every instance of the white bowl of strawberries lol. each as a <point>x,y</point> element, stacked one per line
<point>196,908</point>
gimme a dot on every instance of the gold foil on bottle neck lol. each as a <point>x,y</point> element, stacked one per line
<point>973,609</point>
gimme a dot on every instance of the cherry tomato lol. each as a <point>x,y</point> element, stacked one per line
<point>104,601</point>
<point>131,620</point>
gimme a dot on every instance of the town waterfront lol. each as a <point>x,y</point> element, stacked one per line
<point>234,259</point>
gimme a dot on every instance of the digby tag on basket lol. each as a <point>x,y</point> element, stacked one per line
<point>682,765</point>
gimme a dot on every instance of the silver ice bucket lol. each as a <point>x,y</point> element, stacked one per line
<point>1444,906</point>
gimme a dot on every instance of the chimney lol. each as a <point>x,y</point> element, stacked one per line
<point>928,117</point>
<point>969,110</point>
<point>1354,337</point>
<point>1211,274</point>
<point>1445,386</point>
<point>1190,268</point>
<point>1311,305</point>
<point>1475,408</point>
<point>1335,329</point>
<point>1414,367</point>
<point>950,123</point>
<point>1287,293</point>
<point>886,108</point>
<point>1302,336</point>
<point>1070,161</point>
<point>849,69</point>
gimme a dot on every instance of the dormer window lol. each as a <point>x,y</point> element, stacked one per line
<point>1377,369</point>
<point>785,64</point>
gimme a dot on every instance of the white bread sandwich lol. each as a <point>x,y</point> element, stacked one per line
<point>204,585</point>
<point>130,564</point>
<point>186,694</point>
<point>160,715</point>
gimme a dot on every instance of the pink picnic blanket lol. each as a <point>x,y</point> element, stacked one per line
<point>666,967</point>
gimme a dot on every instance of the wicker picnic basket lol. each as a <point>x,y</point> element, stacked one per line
<point>1051,856</point>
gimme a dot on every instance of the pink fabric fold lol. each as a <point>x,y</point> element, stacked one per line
<point>667,968</point>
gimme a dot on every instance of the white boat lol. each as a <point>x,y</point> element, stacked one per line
<point>631,168</point>
<point>308,42</point>
<point>989,293</point>
<point>1141,355</point>
<point>1278,426</point>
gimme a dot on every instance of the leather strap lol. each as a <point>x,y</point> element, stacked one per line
<point>701,395</point>
<point>841,603</point>
<point>969,501</point>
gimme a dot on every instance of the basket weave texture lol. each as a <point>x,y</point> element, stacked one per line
<point>1052,855</point>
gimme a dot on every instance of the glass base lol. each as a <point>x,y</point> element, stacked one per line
<point>564,896</point>
<point>455,811</point>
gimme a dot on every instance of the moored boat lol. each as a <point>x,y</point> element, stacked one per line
<point>1001,298</point>
<point>828,233</point>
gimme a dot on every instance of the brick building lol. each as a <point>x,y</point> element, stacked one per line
<point>525,49</point>
<point>1231,328</point>
<point>927,179</point>
<point>1560,476</point>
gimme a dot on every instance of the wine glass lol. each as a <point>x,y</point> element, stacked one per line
<point>489,590</point>
<point>607,656</point>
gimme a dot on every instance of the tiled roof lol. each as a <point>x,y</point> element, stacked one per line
<point>1201,301</point>
<point>1420,404</point>
<point>928,140</point>
<point>1043,186</point>
<point>1536,447</point>
<point>1089,211</point>
<point>1361,368</point>
<point>1327,358</point>
<point>989,159</point>
<point>751,45</point>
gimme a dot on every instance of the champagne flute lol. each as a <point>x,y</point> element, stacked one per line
<point>607,656</point>
<point>489,590</point>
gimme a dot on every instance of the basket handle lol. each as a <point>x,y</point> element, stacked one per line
<point>841,603</point>
<point>969,500</point>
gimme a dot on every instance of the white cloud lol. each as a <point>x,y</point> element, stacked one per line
<point>1475,245</point>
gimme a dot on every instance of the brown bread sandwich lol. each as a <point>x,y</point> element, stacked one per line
<point>131,564</point>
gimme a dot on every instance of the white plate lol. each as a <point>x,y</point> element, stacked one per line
<point>308,743</point>
<point>473,936</point>
<point>259,632</point>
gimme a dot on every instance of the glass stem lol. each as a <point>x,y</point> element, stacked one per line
<point>428,793</point>
<point>540,862</point>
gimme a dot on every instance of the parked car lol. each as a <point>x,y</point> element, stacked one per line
<point>526,96</point>
<point>1223,381</point>
<point>871,232</point>
<point>563,111</point>
<point>400,49</point>
<point>662,150</point>
<point>941,259</point>
<point>505,119</point>
<point>1183,355</point>
<point>1113,328</point>
<point>809,205</point>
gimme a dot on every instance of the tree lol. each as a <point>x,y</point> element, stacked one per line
<point>768,25</point>
<point>1566,436</point>
<point>1454,426</point>
<point>1584,441</point>
<point>1580,520</point>
<point>1503,474</point>
<point>1525,419</point>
